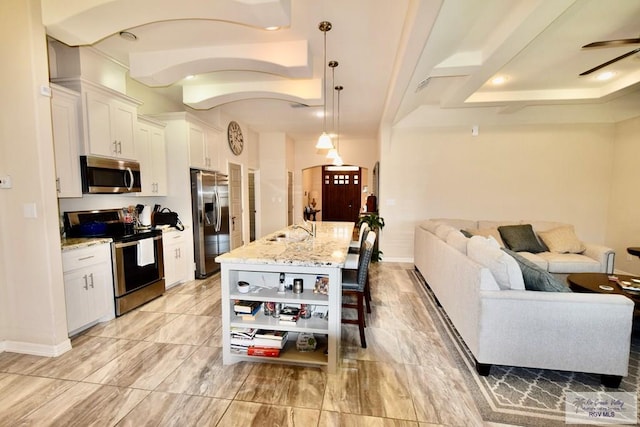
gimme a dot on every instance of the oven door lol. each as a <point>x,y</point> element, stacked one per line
<point>128,274</point>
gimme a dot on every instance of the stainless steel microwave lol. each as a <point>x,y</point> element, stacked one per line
<point>103,176</point>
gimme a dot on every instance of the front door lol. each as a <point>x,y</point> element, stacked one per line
<point>341,194</point>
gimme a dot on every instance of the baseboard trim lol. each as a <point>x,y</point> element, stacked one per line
<point>396,259</point>
<point>36,349</point>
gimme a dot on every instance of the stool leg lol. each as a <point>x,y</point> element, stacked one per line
<point>360,298</point>
<point>367,295</point>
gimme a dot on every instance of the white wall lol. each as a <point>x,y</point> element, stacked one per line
<point>552,172</point>
<point>33,318</point>
<point>623,229</point>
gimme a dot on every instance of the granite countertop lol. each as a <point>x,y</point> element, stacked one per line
<point>295,247</point>
<point>82,242</point>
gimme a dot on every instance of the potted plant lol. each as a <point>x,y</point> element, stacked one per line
<point>376,224</point>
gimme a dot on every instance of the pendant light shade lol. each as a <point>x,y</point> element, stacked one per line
<point>324,142</point>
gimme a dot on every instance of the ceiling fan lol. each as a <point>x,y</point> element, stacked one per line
<point>611,43</point>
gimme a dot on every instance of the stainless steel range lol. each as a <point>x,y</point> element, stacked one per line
<point>136,254</point>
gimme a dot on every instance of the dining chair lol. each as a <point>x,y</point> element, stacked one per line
<point>355,283</point>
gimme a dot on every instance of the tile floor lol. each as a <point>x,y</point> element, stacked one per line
<point>162,365</point>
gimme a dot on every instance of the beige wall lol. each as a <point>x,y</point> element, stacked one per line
<point>273,181</point>
<point>553,172</point>
<point>623,228</point>
<point>33,316</point>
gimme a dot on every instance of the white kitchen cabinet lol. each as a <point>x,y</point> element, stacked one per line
<point>213,140</point>
<point>88,286</point>
<point>204,145</point>
<point>152,155</point>
<point>109,120</point>
<point>176,264</point>
<point>65,118</point>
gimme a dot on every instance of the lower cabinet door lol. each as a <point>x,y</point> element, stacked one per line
<point>76,288</point>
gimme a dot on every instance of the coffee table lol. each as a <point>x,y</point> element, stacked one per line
<point>600,283</point>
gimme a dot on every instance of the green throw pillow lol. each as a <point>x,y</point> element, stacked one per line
<point>520,238</point>
<point>535,278</point>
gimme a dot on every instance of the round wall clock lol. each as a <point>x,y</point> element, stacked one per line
<point>234,136</point>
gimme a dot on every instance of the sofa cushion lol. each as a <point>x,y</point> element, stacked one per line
<point>520,238</point>
<point>458,223</point>
<point>562,240</point>
<point>535,278</point>
<point>570,263</point>
<point>443,230</point>
<point>536,259</point>
<point>457,240</point>
<point>504,268</point>
<point>487,232</point>
<point>430,225</point>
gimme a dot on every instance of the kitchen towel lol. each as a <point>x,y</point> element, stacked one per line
<point>146,255</point>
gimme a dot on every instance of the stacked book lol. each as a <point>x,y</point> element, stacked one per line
<point>289,315</point>
<point>247,310</point>
<point>257,342</point>
<point>242,339</point>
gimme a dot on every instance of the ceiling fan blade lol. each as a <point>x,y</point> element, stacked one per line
<point>610,62</point>
<point>610,43</point>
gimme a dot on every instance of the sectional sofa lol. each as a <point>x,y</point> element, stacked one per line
<point>480,286</point>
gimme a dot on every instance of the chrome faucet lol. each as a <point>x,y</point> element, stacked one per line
<point>312,231</point>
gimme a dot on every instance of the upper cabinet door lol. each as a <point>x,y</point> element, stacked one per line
<point>123,128</point>
<point>100,139</point>
<point>65,116</point>
<point>152,155</point>
<point>197,153</point>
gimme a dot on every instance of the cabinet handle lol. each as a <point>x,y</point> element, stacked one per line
<point>115,147</point>
<point>86,283</point>
<point>58,185</point>
<point>119,147</point>
<point>85,257</point>
<point>91,277</point>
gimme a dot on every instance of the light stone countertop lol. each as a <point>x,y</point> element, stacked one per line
<point>82,242</point>
<point>295,247</point>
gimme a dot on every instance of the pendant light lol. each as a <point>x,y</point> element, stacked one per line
<point>324,142</point>
<point>337,161</point>
<point>333,153</point>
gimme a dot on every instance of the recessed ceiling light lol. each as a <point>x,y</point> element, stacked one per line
<point>189,77</point>
<point>498,80</point>
<point>319,114</point>
<point>605,76</point>
<point>128,36</point>
<point>275,28</point>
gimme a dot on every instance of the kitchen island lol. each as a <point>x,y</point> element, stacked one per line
<point>292,253</point>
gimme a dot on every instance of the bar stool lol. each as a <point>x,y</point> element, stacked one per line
<point>355,283</point>
<point>354,246</point>
<point>351,263</point>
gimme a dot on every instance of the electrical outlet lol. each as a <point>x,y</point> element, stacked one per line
<point>5,181</point>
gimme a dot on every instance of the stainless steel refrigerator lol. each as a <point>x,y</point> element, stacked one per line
<point>210,203</point>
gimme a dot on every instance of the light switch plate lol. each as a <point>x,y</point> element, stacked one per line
<point>5,181</point>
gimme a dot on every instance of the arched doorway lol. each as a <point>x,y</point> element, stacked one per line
<point>335,192</point>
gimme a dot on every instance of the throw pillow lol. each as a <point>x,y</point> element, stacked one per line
<point>520,238</point>
<point>535,278</point>
<point>504,268</point>
<point>486,232</point>
<point>562,240</point>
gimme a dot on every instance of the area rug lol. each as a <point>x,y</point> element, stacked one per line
<point>521,396</point>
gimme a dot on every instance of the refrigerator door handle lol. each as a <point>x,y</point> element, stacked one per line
<point>218,209</point>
